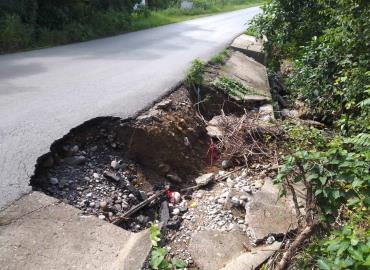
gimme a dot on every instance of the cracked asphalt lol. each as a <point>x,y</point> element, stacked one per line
<point>45,93</point>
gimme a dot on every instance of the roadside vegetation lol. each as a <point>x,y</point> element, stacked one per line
<point>320,52</point>
<point>27,24</point>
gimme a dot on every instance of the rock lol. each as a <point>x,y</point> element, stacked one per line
<point>205,179</point>
<point>221,201</point>
<point>94,148</point>
<point>226,164</point>
<point>96,175</point>
<point>142,219</point>
<point>102,217</point>
<point>125,205</point>
<point>174,224</point>
<point>183,209</point>
<point>89,195</point>
<point>74,149</point>
<point>289,113</point>
<point>75,160</point>
<point>116,165</point>
<point>165,104</point>
<point>54,181</point>
<point>211,250</point>
<point>270,240</point>
<point>266,113</point>
<point>118,207</point>
<point>186,141</point>
<point>235,201</point>
<point>176,211</point>
<point>103,205</point>
<point>174,178</point>
<point>92,204</point>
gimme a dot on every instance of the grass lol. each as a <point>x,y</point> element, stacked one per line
<point>175,15</point>
<point>16,36</point>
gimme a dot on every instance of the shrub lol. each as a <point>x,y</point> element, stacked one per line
<point>13,34</point>
<point>194,76</point>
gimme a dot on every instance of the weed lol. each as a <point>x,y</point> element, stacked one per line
<point>158,258</point>
<point>220,58</point>
<point>234,88</point>
<point>194,76</point>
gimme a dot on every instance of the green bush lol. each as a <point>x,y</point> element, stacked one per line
<point>14,34</point>
<point>194,76</point>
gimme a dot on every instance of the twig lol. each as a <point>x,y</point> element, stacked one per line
<point>288,254</point>
<point>137,207</point>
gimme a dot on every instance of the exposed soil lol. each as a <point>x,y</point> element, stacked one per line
<point>109,166</point>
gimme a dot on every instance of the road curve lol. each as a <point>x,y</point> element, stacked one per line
<point>45,93</point>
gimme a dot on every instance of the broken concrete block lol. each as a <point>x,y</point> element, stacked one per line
<point>39,232</point>
<point>214,249</point>
<point>268,214</point>
<point>250,46</point>
<point>251,74</point>
<point>253,259</point>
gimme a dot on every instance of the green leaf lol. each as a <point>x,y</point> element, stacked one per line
<point>323,265</point>
<point>157,257</point>
<point>178,263</point>
<point>323,179</point>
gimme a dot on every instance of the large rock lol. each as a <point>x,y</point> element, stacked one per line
<point>212,250</point>
<point>250,46</point>
<point>268,214</point>
<point>251,74</point>
<point>39,232</point>
<point>205,179</point>
<point>253,259</point>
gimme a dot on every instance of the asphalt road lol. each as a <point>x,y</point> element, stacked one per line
<point>45,93</point>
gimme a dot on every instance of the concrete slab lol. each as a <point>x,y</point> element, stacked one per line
<point>39,232</point>
<point>250,46</point>
<point>214,249</point>
<point>251,74</point>
<point>253,259</point>
<point>268,214</point>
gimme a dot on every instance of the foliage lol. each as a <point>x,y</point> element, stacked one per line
<point>338,176</point>
<point>329,42</point>
<point>158,258</point>
<point>220,58</point>
<point>194,76</point>
<point>301,137</point>
<point>233,88</point>
<point>347,248</point>
<point>27,24</point>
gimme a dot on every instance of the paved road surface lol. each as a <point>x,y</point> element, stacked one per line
<point>45,93</point>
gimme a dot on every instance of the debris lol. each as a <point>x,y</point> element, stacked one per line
<point>75,160</point>
<point>137,207</point>
<point>176,211</point>
<point>54,181</point>
<point>164,213</point>
<point>103,205</point>
<point>116,165</point>
<point>174,178</point>
<point>111,176</point>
